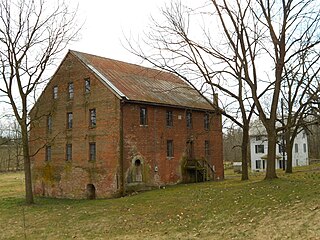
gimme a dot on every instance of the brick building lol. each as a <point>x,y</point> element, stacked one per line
<point>103,127</point>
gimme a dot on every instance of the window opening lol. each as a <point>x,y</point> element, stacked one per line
<point>143,116</point>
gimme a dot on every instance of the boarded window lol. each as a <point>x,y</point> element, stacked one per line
<point>206,121</point>
<point>87,85</point>
<point>71,90</point>
<point>48,153</point>
<point>55,92</point>
<point>143,116</point>
<point>92,151</point>
<point>169,119</point>
<point>69,152</point>
<point>93,117</point>
<point>206,148</point>
<point>69,120</point>
<point>169,148</point>
<point>49,123</point>
<point>189,119</point>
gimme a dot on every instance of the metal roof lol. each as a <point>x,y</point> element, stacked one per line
<point>137,83</point>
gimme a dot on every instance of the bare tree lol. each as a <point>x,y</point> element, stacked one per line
<point>206,67</point>
<point>32,34</point>
<point>242,55</point>
<point>300,89</point>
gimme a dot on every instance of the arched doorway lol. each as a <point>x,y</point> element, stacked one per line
<point>91,191</point>
<point>138,170</point>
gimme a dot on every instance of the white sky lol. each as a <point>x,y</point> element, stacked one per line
<point>108,22</point>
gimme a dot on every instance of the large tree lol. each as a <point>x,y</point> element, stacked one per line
<point>242,51</point>
<point>32,34</point>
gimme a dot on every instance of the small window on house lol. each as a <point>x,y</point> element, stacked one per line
<point>69,120</point>
<point>206,148</point>
<point>70,90</point>
<point>304,148</point>
<point>169,148</point>
<point>143,116</point>
<point>296,147</point>
<point>49,123</point>
<point>304,135</point>
<point>259,148</point>
<point>92,151</point>
<point>48,153</point>
<point>55,92</point>
<point>206,121</point>
<point>169,119</point>
<point>93,117</point>
<point>258,164</point>
<point>189,119</point>
<point>87,85</point>
<point>69,152</point>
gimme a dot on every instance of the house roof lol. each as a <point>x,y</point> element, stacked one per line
<point>136,83</point>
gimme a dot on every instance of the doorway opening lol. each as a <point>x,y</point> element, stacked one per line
<point>91,191</point>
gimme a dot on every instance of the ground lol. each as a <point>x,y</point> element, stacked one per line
<point>285,208</point>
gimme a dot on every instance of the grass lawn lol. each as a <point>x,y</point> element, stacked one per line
<point>285,208</point>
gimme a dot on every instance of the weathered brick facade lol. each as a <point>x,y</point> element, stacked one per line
<point>126,154</point>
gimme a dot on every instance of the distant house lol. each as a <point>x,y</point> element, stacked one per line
<point>104,127</point>
<point>259,149</point>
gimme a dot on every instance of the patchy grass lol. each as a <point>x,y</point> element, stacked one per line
<point>285,208</point>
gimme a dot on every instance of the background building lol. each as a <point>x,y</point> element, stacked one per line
<point>259,149</point>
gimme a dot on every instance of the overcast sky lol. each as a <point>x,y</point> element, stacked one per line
<point>107,22</point>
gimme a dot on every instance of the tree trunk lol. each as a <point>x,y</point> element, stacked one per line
<point>288,149</point>
<point>27,163</point>
<point>244,153</point>
<point>271,160</point>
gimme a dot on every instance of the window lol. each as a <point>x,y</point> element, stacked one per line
<point>206,148</point>
<point>169,148</point>
<point>49,123</point>
<point>92,151</point>
<point>189,118</point>
<point>55,92</point>
<point>304,135</point>
<point>304,147</point>
<point>70,90</point>
<point>48,153</point>
<point>258,164</point>
<point>258,138</point>
<point>259,148</point>
<point>87,85</point>
<point>296,148</point>
<point>169,118</point>
<point>69,120</point>
<point>143,116</point>
<point>93,117</point>
<point>206,121</point>
<point>69,152</point>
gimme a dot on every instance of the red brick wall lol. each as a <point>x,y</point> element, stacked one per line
<point>149,143</point>
<point>69,179</point>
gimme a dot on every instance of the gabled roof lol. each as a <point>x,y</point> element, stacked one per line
<point>140,84</point>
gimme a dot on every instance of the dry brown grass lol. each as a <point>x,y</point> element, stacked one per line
<point>286,208</point>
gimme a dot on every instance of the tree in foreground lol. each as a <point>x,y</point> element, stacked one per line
<point>32,34</point>
<point>242,50</point>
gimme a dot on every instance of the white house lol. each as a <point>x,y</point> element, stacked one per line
<point>259,149</point>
